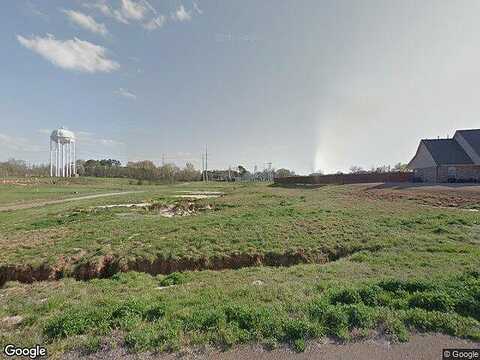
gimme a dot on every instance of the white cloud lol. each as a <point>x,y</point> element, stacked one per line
<point>133,10</point>
<point>13,143</point>
<point>128,10</point>
<point>72,54</point>
<point>155,23</point>
<point>181,14</point>
<point>86,21</point>
<point>197,9</point>
<point>125,93</point>
<point>152,9</point>
<point>106,10</point>
<point>109,142</point>
<point>88,138</point>
<point>140,11</point>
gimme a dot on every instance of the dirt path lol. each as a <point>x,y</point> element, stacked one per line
<point>51,202</point>
<point>439,195</point>
<point>420,347</point>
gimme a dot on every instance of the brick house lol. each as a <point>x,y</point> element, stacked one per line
<point>448,160</point>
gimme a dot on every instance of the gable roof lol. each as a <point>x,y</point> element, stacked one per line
<point>472,137</point>
<point>447,152</point>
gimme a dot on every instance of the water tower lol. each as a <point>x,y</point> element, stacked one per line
<point>62,153</point>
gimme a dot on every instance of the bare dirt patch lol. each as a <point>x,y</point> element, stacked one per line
<point>199,194</point>
<point>445,195</point>
<point>140,205</point>
<point>420,347</point>
<point>183,208</point>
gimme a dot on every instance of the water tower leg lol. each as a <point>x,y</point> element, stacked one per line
<point>68,159</point>
<point>56,159</point>
<point>51,159</point>
<point>74,161</point>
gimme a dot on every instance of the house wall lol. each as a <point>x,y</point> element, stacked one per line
<point>422,159</point>
<point>441,174</point>
<point>428,174</point>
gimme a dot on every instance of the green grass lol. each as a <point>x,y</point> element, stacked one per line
<point>406,267</point>
<point>43,189</point>
<point>250,219</point>
<point>292,306</point>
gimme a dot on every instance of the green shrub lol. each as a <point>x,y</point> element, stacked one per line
<point>469,306</point>
<point>268,323</point>
<point>242,315</point>
<point>335,320</point>
<point>92,344</point>
<point>167,337</point>
<point>360,316</point>
<point>299,345</point>
<point>317,308</point>
<point>434,321</point>
<point>395,328</point>
<point>76,321</point>
<point>203,319</point>
<point>231,334</point>
<point>298,329</point>
<point>174,278</point>
<point>346,296</point>
<point>154,312</point>
<point>370,294</point>
<point>127,314</point>
<point>141,338</point>
<point>269,343</point>
<point>395,285</point>
<point>435,300</point>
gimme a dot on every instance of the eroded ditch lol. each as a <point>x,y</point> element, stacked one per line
<point>109,265</point>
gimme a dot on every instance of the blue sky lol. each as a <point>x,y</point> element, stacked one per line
<point>302,84</point>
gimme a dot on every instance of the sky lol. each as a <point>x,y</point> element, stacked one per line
<point>307,85</point>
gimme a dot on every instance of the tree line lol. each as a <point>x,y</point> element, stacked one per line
<point>140,170</point>
<point>20,168</point>
<point>399,167</point>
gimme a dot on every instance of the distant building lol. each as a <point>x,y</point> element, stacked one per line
<point>448,160</point>
<point>222,175</point>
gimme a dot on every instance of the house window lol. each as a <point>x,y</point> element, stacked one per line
<point>452,172</point>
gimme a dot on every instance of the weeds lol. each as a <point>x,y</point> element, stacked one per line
<point>155,325</point>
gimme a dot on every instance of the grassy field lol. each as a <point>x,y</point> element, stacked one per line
<point>399,266</point>
<point>18,191</point>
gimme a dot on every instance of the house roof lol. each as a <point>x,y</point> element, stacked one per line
<point>472,137</point>
<point>447,151</point>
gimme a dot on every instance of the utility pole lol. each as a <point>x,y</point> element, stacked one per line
<point>206,163</point>
<point>269,171</point>
<point>203,167</point>
<point>163,159</point>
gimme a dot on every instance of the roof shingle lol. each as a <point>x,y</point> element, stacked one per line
<point>447,152</point>
<point>472,137</point>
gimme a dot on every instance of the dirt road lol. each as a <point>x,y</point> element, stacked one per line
<point>439,195</point>
<point>51,202</point>
<point>420,347</point>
